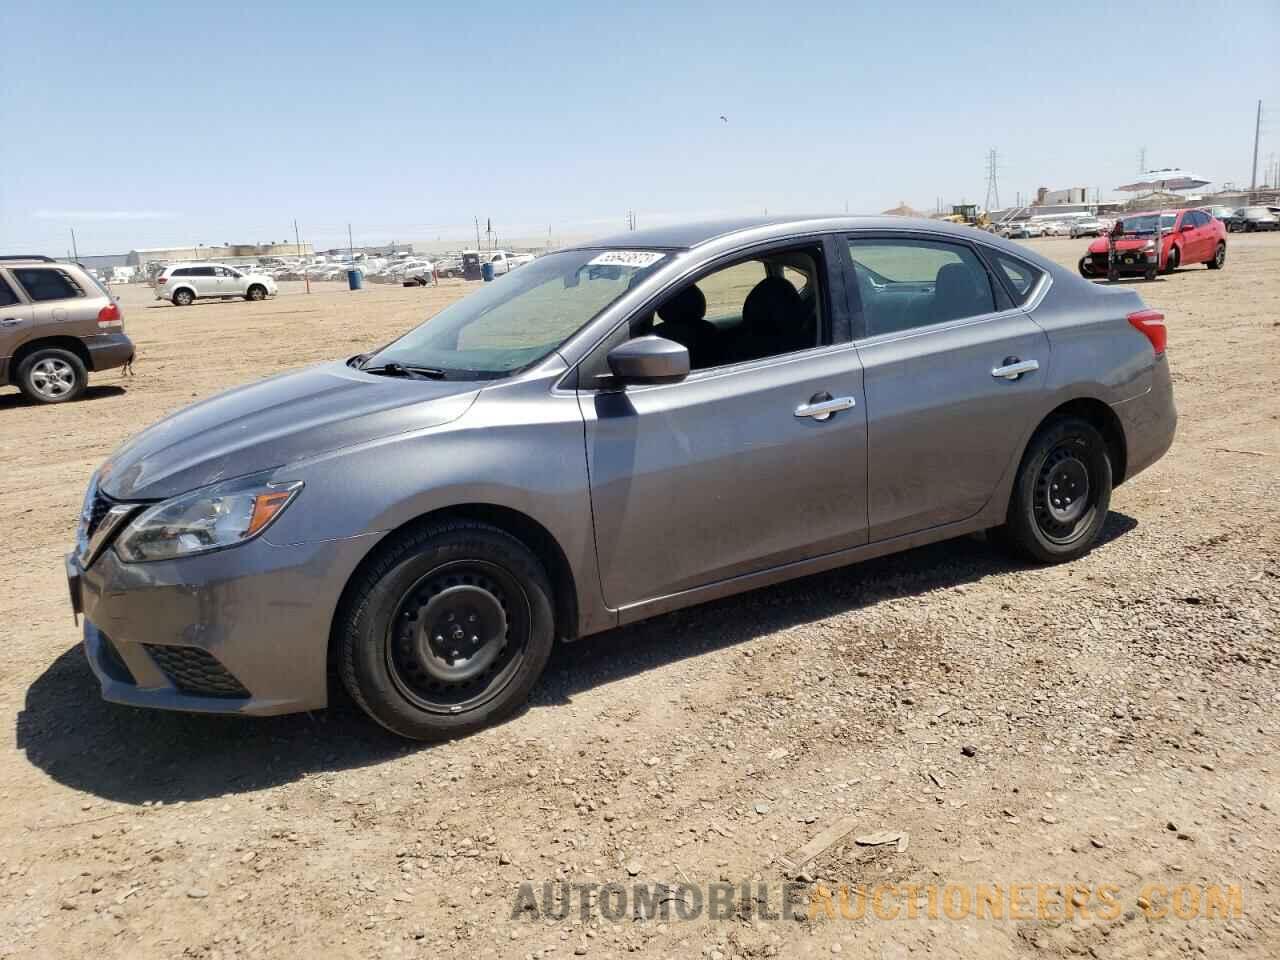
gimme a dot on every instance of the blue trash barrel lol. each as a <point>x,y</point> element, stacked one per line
<point>355,279</point>
<point>486,271</point>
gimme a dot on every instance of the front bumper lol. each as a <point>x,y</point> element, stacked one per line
<point>109,350</point>
<point>240,631</point>
<point>1127,261</point>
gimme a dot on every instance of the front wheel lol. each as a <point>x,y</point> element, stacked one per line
<point>1173,260</point>
<point>1086,268</point>
<point>446,630</point>
<point>256,292</point>
<point>1061,494</point>
<point>1219,258</point>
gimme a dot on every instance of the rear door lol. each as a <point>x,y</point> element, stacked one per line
<point>17,317</point>
<point>205,281</point>
<point>942,342</point>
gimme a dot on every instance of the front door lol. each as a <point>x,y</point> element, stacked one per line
<point>732,470</point>
<point>951,376</point>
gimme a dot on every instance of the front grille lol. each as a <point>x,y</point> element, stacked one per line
<point>113,663</point>
<point>193,670</point>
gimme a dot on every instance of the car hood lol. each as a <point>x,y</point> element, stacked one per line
<point>277,421</point>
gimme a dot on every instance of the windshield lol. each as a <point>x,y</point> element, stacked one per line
<point>1147,223</point>
<point>521,317</point>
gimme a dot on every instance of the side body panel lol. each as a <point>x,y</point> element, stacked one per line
<point>716,476</point>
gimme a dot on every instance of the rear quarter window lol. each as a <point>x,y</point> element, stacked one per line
<point>46,283</point>
<point>1022,277</point>
<point>7,297</point>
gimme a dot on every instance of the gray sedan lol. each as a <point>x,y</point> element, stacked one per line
<point>609,433</point>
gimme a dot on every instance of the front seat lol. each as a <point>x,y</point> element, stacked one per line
<point>956,294</point>
<point>684,320</point>
<point>773,321</point>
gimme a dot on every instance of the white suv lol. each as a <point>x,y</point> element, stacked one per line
<point>183,284</point>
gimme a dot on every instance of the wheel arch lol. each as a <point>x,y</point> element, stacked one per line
<point>70,344</point>
<point>520,525</point>
<point>1104,419</point>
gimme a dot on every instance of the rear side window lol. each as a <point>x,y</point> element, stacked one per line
<point>7,297</point>
<point>181,272</point>
<point>43,283</point>
<point>1021,275</point>
<point>905,283</point>
<point>201,272</point>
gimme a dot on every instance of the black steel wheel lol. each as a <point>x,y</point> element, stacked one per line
<point>1219,258</point>
<point>1061,494</point>
<point>445,629</point>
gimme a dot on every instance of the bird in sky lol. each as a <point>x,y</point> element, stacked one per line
<point>724,118</point>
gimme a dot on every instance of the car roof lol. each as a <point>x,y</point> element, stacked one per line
<point>686,236</point>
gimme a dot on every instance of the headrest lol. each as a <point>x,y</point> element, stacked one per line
<point>687,306</point>
<point>772,306</point>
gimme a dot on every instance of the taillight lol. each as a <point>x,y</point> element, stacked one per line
<point>1150,323</point>
<point>162,280</point>
<point>109,316</point>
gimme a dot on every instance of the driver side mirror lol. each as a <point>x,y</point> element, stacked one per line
<point>649,359</point>
<point>1188,226</point>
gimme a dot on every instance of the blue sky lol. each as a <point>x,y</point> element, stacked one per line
<point>151,124</point>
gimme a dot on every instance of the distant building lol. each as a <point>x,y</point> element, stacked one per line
<point>228,251</point>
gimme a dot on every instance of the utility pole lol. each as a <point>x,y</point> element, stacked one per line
<point>75,254</point>
<point>351,248</point>
<point>993,188</point>
<point>1257,132</point>
<point>297,246</point>
<point>477,234</point>
<point>1142,159</point>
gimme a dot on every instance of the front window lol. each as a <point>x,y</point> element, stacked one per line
<point>520,318</point>
<point>1146,224</point>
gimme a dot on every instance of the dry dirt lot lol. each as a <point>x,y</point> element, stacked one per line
<point>1110,722</point>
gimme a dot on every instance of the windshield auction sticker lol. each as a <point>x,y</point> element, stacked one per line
<point>626,258</point>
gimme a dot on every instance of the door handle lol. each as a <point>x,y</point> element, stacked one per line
<point>822,409</point>
<point>10,322</point>
<point>1013,368</point>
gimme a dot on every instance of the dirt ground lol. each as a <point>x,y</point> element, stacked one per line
<point>1112,723</point>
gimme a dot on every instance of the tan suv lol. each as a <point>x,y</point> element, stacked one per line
<point>56,324</point>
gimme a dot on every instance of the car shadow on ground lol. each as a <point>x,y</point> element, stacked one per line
<point>14,400</point>
<point>132,756</point>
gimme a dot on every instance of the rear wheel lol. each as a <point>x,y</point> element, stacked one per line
<point>184,298</point>
<point>256,292</point>
<point>1061,494</point>
<point>447,630</point>
<point>1219,258</point>
<point>52,375</point>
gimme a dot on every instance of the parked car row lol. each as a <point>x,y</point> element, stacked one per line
<point>1253,219</point>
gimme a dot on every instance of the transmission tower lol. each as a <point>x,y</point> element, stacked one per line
<point>1142,159</point>
<point>993,188</point>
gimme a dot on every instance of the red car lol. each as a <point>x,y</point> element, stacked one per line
<point>1190,236</point>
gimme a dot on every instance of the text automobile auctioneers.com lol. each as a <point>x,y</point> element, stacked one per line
<point>880,901</point>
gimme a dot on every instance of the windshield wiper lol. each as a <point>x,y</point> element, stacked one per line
<point>393,369</point>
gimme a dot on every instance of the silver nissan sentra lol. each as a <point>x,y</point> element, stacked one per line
<point>608,433</point>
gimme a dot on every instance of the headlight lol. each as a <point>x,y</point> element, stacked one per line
<point>1149,245</point>
<point>210,518</point>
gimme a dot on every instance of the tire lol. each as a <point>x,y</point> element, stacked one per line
<point>1219,258</point>
<point>1173,260</point>
<point>256,292</point>
<point>1150,273</point>
<point>183,298</point>
<point>1066,455</point>
<point>1085,266</point>
<point>456,576</point>
<point>52,375</point>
